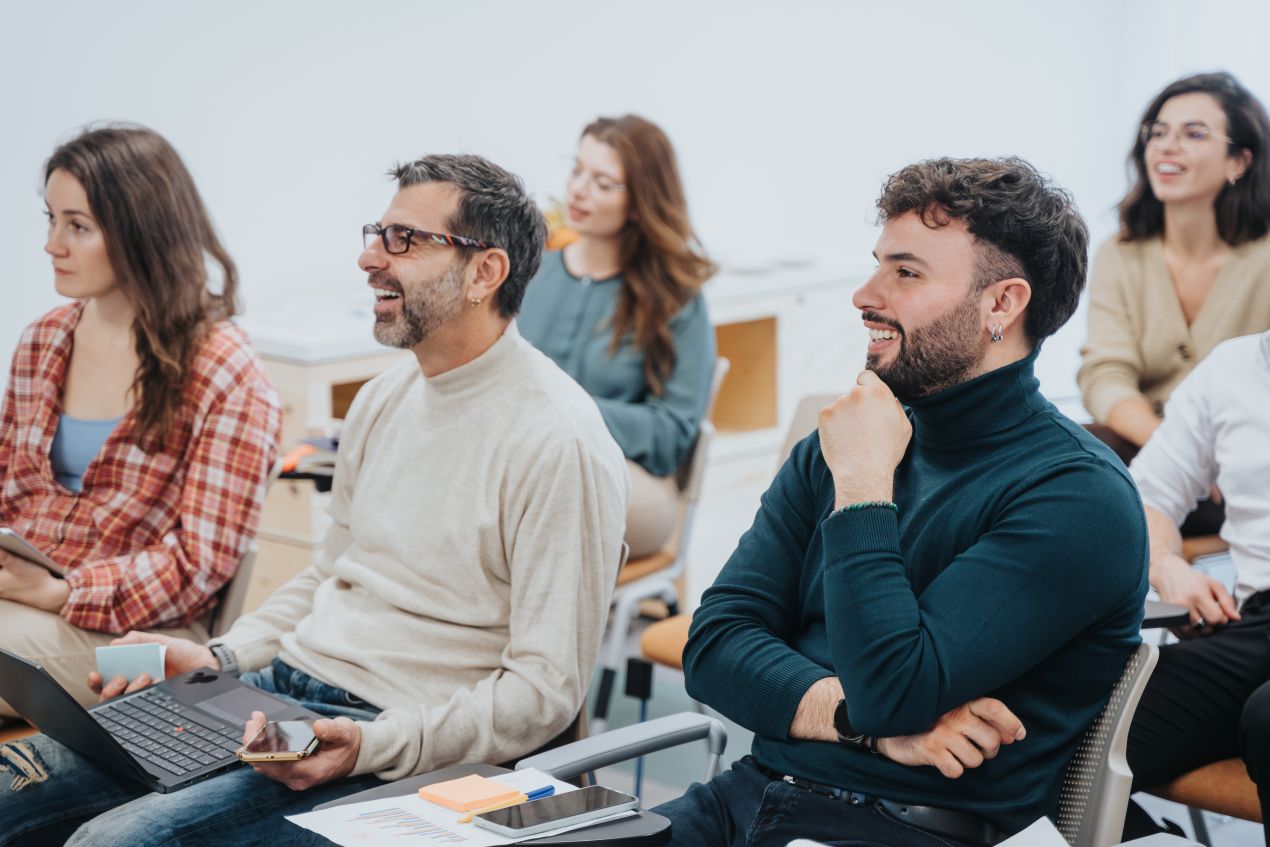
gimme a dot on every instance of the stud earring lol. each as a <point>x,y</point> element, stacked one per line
<point>998,332</point>
<point>1232,180</point>
<point>476,301</point>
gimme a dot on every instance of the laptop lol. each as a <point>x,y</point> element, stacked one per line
<point>166,736</point>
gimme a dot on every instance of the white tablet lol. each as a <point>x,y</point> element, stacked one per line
<point>13,543</point>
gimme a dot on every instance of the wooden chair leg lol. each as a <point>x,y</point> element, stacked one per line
<point>14,731</point>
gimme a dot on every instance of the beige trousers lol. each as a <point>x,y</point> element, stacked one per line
<point>64,650</point>
<point>651,514</point>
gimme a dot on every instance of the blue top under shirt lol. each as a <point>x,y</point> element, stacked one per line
<point>75,444</point>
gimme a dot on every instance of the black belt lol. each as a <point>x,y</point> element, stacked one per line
<point>962,826</point>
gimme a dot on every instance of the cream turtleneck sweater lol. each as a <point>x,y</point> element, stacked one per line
<point>465,583</point>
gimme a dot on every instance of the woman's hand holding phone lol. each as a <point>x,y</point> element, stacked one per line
<point>340,740</point>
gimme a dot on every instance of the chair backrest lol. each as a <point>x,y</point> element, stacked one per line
<point>805,419</point>
<point>692,470</point>
<point>233,597</point>
<point>1096,785</point>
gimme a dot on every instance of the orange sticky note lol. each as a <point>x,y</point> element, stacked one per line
<point>467,793</point>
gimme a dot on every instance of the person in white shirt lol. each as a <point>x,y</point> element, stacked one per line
<point>1209,697</point>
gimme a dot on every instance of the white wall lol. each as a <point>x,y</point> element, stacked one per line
<point>786,117</point>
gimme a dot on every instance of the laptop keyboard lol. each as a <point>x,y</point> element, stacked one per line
<point>155,727</point>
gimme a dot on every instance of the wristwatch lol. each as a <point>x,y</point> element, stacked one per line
<point>228,661</point>
<point>847,734</point>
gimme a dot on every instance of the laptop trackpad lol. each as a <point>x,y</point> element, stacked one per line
<point>236,706</point>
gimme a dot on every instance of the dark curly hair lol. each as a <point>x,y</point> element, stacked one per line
<point>1024,226</point>
<point>1243,209</point>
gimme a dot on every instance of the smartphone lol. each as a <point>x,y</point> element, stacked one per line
<point>280,741</point>
<point>14,543</point>
<point>557,811</point>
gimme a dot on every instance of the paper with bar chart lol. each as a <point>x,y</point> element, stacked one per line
<point>411,822</point>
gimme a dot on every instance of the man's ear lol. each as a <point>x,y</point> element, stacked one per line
<point>487,273</point>
<point>1007,300</point>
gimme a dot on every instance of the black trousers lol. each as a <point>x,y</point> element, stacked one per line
<point>1208,700</point>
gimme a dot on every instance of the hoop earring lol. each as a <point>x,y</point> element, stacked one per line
<point>998,332</point>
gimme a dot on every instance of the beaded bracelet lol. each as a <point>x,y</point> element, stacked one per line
<point>869,504</point>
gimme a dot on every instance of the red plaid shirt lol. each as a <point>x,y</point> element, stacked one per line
<point>152,536</point>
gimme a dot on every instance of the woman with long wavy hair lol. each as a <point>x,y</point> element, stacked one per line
<point>138,428</point>
<point>621,310</point>
<point>1190,265</point>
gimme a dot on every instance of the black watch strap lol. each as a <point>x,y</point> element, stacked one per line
<point>847,734</point>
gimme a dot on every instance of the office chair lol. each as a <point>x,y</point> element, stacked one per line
<point>654,575</point>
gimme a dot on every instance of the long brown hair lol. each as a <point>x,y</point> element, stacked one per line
<point>1242,209</point>
<point>663,264</point>
<point>158,238</point>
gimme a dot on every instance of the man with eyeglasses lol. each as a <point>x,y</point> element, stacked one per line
<point>456,609</point>
<point>935,598</point>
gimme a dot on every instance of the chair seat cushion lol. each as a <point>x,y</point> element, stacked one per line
<point>663,642</point>
<point>1222,787</point>
<point>637,568</point>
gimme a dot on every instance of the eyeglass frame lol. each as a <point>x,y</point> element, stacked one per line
<point>593,180</point>
<point>369,230</point>
<point>1144,133</point>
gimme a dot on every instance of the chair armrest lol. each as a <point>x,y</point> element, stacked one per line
<point>628,742</point>
<point>1162,839</point>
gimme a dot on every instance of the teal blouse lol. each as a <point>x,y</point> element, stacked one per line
<point>570,319</point>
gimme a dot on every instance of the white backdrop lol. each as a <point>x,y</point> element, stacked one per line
<point>786,118</point>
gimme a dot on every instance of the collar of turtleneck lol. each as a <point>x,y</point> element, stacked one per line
<point>490,372</point>
<point>988,404</point>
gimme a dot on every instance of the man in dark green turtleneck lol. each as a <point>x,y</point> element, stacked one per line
<point>944,588</point>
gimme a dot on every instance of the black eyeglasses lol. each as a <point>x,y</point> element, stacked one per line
<point>397,239</point>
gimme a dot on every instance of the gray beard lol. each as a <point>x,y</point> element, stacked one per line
<point>940,355</point>
<point>424,310</point>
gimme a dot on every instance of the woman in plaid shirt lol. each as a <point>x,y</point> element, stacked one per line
<point>138,427</point>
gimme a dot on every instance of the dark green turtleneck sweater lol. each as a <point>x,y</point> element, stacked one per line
<point>1015,568</point>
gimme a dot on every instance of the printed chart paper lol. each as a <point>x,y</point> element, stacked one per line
<point>411,822</point>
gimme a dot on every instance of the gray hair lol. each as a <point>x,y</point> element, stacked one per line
<point>493,207</point>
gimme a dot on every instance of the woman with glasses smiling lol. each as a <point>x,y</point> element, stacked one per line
<point>1190,267</point>
<point>138,429</point>
<point>621,311</point>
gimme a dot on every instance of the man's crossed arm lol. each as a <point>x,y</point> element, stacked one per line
<point>962,738</point>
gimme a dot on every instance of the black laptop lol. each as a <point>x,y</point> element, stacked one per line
<point>166,736</point>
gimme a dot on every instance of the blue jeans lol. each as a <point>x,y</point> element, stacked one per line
<point>49,794</point>
<point>744,807</point>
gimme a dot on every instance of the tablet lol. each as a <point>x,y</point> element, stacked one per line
<point>13,543</point>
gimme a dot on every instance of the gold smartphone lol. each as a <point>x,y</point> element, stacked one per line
<point>280,741</point>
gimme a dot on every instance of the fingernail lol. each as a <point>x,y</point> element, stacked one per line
<point>1021,734</point>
